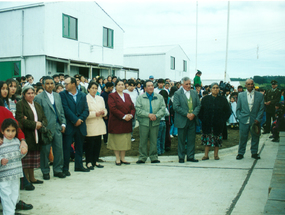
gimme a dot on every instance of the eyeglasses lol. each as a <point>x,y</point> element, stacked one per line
<point>66,84</point>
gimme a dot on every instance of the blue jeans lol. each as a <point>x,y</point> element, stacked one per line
<point>173,130</point>
<point>161,137</point>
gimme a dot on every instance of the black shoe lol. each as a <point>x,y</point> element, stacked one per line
<point>127,163</point>
<point>255,156</point>
<point>239,157</point>
<point>275,140</point>
<point>140,162</point>
<point>23,206</point>
<point>155,161</point>
<point>37,182</point>
<point>59,174</point>
<point>99,166</point>
<point>192,160</point>
<point>271,136</point>
<point>90,167</point>
<point>118,164</point>
<point>46,176</point>
<point>82,169</point>
<point>181,161</point>
<point>29,187</point>
<point>66,173</point>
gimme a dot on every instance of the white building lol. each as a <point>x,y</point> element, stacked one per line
<point>60,37</point>
<point>159,61</point>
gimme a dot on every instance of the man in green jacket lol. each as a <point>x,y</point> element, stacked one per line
<point>150,107</point>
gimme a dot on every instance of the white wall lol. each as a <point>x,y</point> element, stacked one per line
<point>36,66</point>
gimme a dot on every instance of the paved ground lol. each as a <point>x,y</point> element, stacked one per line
<point>227,186</point>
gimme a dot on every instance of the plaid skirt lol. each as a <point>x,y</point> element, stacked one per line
<point>31,160</point>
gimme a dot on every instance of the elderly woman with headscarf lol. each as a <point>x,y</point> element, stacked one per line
<point>31,118</point>
<point>214,112</point>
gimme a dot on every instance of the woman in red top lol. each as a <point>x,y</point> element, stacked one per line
<point>122,111</point>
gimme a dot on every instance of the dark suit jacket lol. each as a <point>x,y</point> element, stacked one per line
<point>243,112</point>
<point>44,101</point>
<point>74,111</point>
<point>118,109</point>
<point>180,106</point>
<point>28,125</point>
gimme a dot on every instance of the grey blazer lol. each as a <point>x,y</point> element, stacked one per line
<point>243,112</point>
<point>180,106</point>
<point>49,111</point>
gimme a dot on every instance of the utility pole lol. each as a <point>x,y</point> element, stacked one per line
<point>196,35</point>
<point>227,45</point>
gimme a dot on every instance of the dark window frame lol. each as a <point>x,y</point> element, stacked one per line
<point>68,35</point>
<point>106,37</point>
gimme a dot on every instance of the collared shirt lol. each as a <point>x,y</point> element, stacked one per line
<point>50,96</point>
<point>150,97</point>
<point>122,97</point>
<point>35,119</point>
<point>74,96</point>
<point>250,100</point>
<point>187,93</point>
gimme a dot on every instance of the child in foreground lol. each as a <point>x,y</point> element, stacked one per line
<point>11,166</point>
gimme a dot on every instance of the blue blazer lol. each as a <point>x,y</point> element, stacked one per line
<point>243,112</point>
<point>74,111</point>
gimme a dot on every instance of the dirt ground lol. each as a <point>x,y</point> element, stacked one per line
<point>233,139</point>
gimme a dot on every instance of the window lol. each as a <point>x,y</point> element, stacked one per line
<point>108,37</point>
<point>69,27</point>
<point>184,66</point>
<point>172,62</point>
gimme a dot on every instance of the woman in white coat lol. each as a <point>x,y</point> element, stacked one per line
<point>95,126</point>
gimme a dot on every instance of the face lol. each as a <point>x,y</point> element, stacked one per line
<point>198,89</point>
<point>249,85</point>
<point>39,91</point>
<point>166,86</point>
<point>109,79</point>
<point>139,86</point>
<point>61,78</point>
<point>152,79</point>
<point>215,90</point>
<point>105,81</point>
<point>9,132</point>
<point>274,86</point>
<point>77,81</point>
<point>232,99</point>
<point>29,96</point>
<point>110,89</point>
<point>4,91</point>
<point>120,87</point>
<point>49,85</point>
<point>187,85</point>
<point>131,88</point>
<point>160,85</point>
<point>12,88</point>
<point>240,90</point>
<point>114,80</point>
<point>82,79</point>
<point>56,79</point>
<point>149,88</point>
<point>93,90</point>
<point>59,89</point>
<point>30,79</point>
<point>100,80</point>
<point>67,83</point>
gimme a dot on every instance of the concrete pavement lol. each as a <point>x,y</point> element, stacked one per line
<point>227,186</point>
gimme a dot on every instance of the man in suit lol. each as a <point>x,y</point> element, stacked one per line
<point>249,110</point>
<point>186,105</point>
<point>52,107</point>
<point>76,111</point>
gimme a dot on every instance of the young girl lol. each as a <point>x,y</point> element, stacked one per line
<point>11,166</point>
<point>232,120</point>
<point>13,86</point>
<point>4,94</point>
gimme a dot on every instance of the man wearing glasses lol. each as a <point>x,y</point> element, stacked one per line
<point>270,99</point>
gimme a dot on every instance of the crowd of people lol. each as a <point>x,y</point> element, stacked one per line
<point>60,118</point>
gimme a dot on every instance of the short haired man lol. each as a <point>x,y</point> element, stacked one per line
<point>186,105</point>
<point>55,78</point>
<point>270,99</point>
<point>240,89</point>
<point>79,86</point>
<point>151,78</point>
<point>150,107</point>
<point>76,111</point>
<point>30,80</point>
<point>250,107</point>
<point>52,107</point>
<point>160,84</point>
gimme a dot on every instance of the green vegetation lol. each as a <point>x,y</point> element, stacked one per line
<point>264,81</point>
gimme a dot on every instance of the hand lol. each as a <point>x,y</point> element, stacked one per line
<point>24,150</point>
<point>190,116</point>
<point>152,117</point>
<point>98,114</point>
<point>25,117</point>
<point>128,117</point>
<point>79,121</point>
<point>1,141</point>
<point>256,121</point>
<point>106,117</point>
<point>62,129</point>
<point>39,125</point>
<point>23,147</point>
<point>4,161</point>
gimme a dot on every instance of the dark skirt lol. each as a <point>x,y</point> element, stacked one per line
<point>211,139</point>
<point>31,160</point>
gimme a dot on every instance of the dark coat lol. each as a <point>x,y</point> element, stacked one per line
<point>74,111</point>
<point>214,113</point>
<point>28,125</point>
<point>118,109</point>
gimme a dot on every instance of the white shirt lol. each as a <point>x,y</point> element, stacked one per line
<point>35,119</point>
<point>250,100</point>
<point>50,96</point>
<point>134,95</point>
<point>187,93</point>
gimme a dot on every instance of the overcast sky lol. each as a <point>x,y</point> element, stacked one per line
<point>256,32</point>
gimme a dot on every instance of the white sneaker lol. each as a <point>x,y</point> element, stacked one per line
<point>133,139</point>
<point>171,136</point>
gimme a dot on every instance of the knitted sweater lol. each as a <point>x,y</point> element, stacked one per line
<point>10,149</point>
